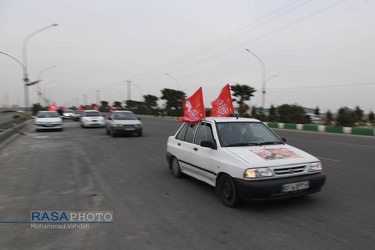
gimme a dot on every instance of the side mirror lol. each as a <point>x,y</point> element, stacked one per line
<point>139,118</point>
<point>284,139</point>
<point>109,118</point>
<point>208,144</point>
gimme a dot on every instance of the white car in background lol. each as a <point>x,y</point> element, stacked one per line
<point>243,159</point>
<point>92,118</point>
<point>123,122</point>
<point>48,120</point>
<point>68,113</point>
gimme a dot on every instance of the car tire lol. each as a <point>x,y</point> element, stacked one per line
<point>140,134</point>
<point>113,133</point>
<point>175,168</point>
<point>227,191</point>
<point>107,130</point>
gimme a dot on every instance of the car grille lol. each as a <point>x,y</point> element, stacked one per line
<point>47,125</point>
<point>290,170</point>
<point>128,126</point>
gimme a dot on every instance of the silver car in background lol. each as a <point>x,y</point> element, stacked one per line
<point>92,118</point>
<point>48,120</point>
<point>123,122</point>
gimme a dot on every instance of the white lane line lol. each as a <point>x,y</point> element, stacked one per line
<point>352,144</point>
<point>327,159</point>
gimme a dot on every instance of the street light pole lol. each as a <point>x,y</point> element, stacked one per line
<point>24,53</point>
<point>178,84</point>
<point>39,87</point>
<point>263,78</point>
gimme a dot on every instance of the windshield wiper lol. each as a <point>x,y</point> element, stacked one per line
<point>271,143</point>
<point>243,144</point>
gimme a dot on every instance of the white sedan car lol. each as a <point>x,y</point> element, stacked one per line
<point>92,118</point>
<point>48,120</point>
<point>243,159</point>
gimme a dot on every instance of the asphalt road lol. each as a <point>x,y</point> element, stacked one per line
<point>7,117</point>
<point>85,169</point>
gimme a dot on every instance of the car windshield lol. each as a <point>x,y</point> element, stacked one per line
<point>47,115</point>
<point>92,113</point>
<point>236,134</point>
<point>68,111</point>
<point>124,116</point>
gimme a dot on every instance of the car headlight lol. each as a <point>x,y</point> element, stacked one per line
<point>138,125</point>
<point>315,166</point>
<point>253,173</point>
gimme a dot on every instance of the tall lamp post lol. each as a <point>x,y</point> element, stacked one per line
<point>40,79</point>
<point>268,79</point>
<point>263,78</point>
<point>178,84</point>
<point>24,53</point>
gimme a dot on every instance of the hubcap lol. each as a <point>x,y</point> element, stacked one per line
<point>227,190</point>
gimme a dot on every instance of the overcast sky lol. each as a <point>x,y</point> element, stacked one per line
<point>317,53</point>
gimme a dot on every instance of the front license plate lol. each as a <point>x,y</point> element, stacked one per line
<point>290,187</point>
<point>129,129</point>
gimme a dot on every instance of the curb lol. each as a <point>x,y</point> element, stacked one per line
<point>305,127</point>
<point>6,136</point>
<point>322,128</point>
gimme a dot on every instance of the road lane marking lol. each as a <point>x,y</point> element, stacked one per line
<point>327,159</point>
<point>353,144</point>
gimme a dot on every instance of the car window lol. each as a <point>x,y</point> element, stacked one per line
<point>189,137</point>
<point>204,133</point>
<point>181,134</point>
<point>124,116</point>
<point>88,114</point>
<point>47,115</point>
<point>245,133</point>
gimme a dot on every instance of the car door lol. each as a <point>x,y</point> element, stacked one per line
<point>203,159</point>
<point>183,145</point>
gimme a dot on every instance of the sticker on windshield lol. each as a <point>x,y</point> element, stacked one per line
<point>276,153</point>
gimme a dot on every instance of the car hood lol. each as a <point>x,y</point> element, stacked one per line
<point>269,156</point>
<point>127,122</point>
<point>51,119</point>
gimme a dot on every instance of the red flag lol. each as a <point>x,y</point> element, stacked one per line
<point>194,108</point>
<point>81,109</point>
<point>223,105</point>
<point>96,107</point>
<point>110,110</point>
<point>52,107</point>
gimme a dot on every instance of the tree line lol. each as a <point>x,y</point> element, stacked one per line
<point>286,113</point>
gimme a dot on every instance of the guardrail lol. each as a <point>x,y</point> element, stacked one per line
<point>9,128</point>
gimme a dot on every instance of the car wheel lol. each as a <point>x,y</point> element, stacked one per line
<point>227,192</point>
<point>107,130</point>
<point>175,168</point>
<point>140,134</point>
<point>113,133</point>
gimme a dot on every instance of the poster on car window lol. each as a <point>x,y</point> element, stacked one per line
<point>276,153</point>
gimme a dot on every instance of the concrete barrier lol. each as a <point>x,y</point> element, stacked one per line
<point>6,133</point>
<point>322,128</point>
